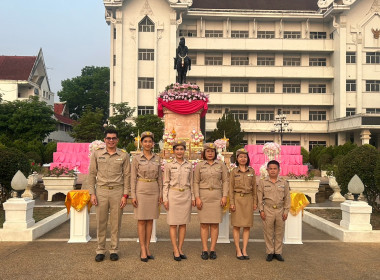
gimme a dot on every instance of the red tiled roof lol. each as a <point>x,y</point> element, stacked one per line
<point>63,119</point>
<point>295,5</point>
<point>58,108</point>
<point>16,67</point>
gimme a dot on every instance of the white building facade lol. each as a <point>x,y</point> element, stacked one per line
<point>318,62</point>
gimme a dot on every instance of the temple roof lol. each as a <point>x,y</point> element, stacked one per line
<point>16,67</point>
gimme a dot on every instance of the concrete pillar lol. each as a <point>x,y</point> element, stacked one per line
<point>79,226</point>
<point>224,229</point>
<point>365,136</point>
<point>18,213</point>
<point>356,215</point>
<point>293,229</point>
<point>342,138</point>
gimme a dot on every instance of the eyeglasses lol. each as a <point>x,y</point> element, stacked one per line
<point>111,138</point>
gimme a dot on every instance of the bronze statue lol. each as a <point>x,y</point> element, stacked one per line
<point>182,61</point>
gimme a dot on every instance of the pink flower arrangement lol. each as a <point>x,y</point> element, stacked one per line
<point>271,150</point>
<point>183,92</point>
<point>220,144</point>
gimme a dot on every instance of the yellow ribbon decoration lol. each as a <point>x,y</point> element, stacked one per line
<point>78,199</point>
<point>298,203</point>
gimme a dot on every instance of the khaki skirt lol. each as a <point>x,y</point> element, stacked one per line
<point>147,194</point>
<point>243,215</point>
<point>211,212</point>
<point>179,207</point>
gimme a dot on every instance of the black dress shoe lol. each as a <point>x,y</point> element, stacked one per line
<point>183,256</point>
<point>114,257</point>
<point>143,259</point>
<point>269,258</point>
<point>204,255</point>
<point>99,257</point>
<point>279,257</point>
<point>150,257</point>
<point>239,257</point>
<point>178,259</point>
<point>212,255</point>
<point>246,257</point>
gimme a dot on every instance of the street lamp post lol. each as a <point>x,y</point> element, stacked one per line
<point>281,125</point>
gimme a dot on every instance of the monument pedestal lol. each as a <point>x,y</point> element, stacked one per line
<point>79,226</point>
<point>293,229</point>
<point>356,215</point>
<point>18,213</point>
<point>224,229</point>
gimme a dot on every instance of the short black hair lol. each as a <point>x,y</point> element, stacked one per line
<point>179,145</point>
<point>236,160</point>
<point>204,154</point>
<point>110,130</point>
<point>273,162</point>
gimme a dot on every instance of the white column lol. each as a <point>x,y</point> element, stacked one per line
<point>365,136</point>
<point>79,226</point>
<point>356,215</point>
<point>18,213</point>
<point>153,238</point>
<point>224,229</point>
<point>293,229</point>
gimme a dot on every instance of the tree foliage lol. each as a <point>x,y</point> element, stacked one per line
<point>27,119</point>
<point>121,113</point>
<point>90,88</point>
<point>231,128</point>
<point>362,162</point>
<point>151,123</point>
<point>89,127</point>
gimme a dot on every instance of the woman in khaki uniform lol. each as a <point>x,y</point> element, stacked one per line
<point>178,197</point>
<point>243,201</point>
<point>146,191</point>
<point>211,190</point>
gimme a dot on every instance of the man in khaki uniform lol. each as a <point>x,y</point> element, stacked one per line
<point>274,203</point>
<point>110,171</point>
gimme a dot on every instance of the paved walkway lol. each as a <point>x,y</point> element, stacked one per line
<point>320,257</point>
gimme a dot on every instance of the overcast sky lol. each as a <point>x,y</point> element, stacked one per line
<point>71,33</point>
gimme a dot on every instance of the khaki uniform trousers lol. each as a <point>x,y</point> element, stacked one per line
<point>274,228</point>
<point>108,202</point>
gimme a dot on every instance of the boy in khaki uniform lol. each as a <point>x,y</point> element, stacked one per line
<point>110,170</point>
<point>274,202</point>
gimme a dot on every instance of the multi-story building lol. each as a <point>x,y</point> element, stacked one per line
<point>318,62</point>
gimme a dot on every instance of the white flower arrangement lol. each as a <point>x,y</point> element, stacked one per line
<point>271,150</point>
<point>263,170</point>
<point>95,145</point>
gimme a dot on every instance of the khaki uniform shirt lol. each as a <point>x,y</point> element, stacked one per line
<point>273,194</point>
<point>243,182</point>
<point>109,170</point>
<point>211,176</point>
<point>145,169</point>
<point>178,176</point>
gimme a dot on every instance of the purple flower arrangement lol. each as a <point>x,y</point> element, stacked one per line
<point>178,91</point>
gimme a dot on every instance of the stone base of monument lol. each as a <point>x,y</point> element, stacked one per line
<point>224,229</point>
<point>293,229</point>
<point>18,213</point>
<point>79,226</point>
<point>356,215</point>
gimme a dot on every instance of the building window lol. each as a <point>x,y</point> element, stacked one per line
<point>262,142</point>
<point>267,87</point>
<point>292,34</point>
<point>373,111</point>
<point>146,25</point>
<point>193,58</point>
<point>297,112</point>
<point>331,36</point>
<point>372,85</point>
<point>350,85</point>
<point>265,34</point>
<point>350,112</point>
<point>292,61</point>
<point>317,61</point>
<point>239,86</point>
<point>239,59</point>
<point>240,114</point>
<point>213,87</point>
<point>262,115</point>
<point>372,57</point>
<point>317,35</point>
<point>214,33</point>
<point>265,60</point>
<point>317,115</point>
<point>144,82</point>
<point>188,32</point>
<point>290,143</point>
<point>213,59</point>
<point>145,110</point>
<point>312,144</point>
<point>146,54</point>
<point>317,88</point>
<point>114,60</point>
<point>217,111</point>
<point>350,57</point>
<point>239,34</point>
<point>291,88</point>
<point>114,33</point>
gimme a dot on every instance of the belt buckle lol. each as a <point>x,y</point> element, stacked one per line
<point>110,188</point>
<point>274,206</point>
<point>242,194</point>
<point>181,190</point>
<point>210,189</point>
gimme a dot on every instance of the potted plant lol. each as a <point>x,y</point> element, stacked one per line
<point>304,184</point>
<point>59,180</point>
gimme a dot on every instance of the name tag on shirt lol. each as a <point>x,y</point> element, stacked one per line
<point>120,159</point>
<point>250,175</point>
<point>281,187</point>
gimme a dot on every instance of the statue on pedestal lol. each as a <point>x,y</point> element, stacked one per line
<point>182,62</point>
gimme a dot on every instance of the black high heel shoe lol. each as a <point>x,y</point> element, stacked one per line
<point>246,257</point>
<point>143,259</point>
<point>240,257</point>
<point>178,259</point>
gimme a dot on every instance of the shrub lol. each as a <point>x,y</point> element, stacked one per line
<point>361,161</point>
<point>34,156</point>
<point>313,156</point>
<point>50,148</point>
<point>11,161</point>
<point>324,159</point>
<point>131,147</point>
<point>305,155</point>
<point>344,149</point>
